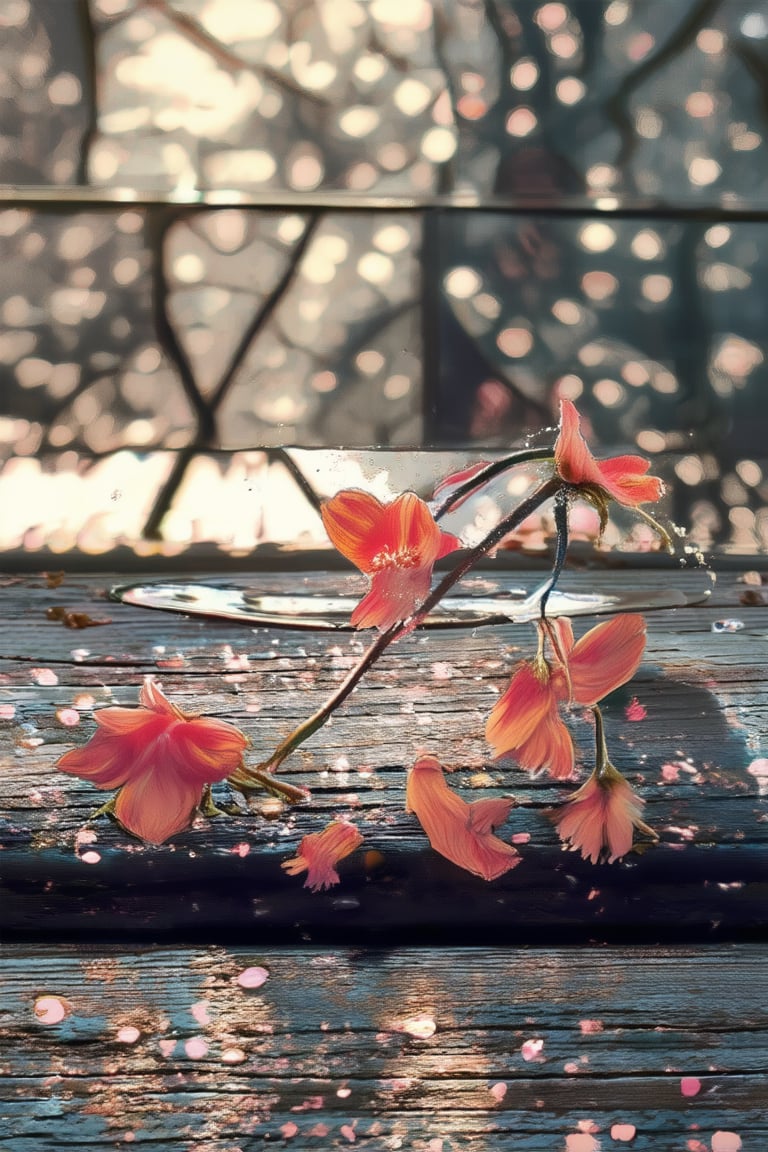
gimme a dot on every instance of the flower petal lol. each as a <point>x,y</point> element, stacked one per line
<point>395,594</point>
<point>456,479</point>
<point>447,821</point>
<point>573,460</point>
<point>126,722</point>
<point>320,852</point>
<point>428,796</point>
<point>581,819</point>
<point>411,530</point>
<point>103,761</point>
<point>559,630</point>
<point>548,749</point>
<point>599,819</point>
<point>488,813</point>
<point>157,804</point>
<point>623,814</point>
<point>491,857</point>
<point>516,715</point>
<point>151,696</point>
<point>354,521</point>
<point>205,749</point>
<point>606,657</point>
<point>623,477</point>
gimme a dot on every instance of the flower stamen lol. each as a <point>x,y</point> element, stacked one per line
<point>395,558</point>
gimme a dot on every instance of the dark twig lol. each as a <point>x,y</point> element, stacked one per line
<point>90,73</point>
<point>561,546</point>
<point>496,468</point>
<point>196,33</point>
<point>616,105</point>
<point>264,312</point>
<point>151,529</point>
<point>283,456</point>
<point>157,229</point>
<point>544,492</point>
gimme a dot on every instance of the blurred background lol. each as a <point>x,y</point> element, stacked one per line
<point>239,235</point>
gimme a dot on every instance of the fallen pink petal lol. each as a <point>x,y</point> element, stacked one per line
<point>320,852</point>
<point>460,831</point>
<point>253,977</point>
<point>635,711</point>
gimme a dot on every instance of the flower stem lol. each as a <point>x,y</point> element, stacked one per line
<point>544,492</point>
<point>306,729</point>
<point>247,779</point>
<point>561,547</point>
<point>318,718</point>
<point>525,456</point>
<point>603,765</point>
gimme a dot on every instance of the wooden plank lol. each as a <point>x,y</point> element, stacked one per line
<point>707,702</point>
<point>502,1049</point>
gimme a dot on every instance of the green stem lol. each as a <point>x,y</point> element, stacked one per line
<point>544,492</point>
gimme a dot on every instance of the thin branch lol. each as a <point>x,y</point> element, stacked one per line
<point>225,57</point>
<point>490,472</point>
<point>151,529</point>
<point>282,456</point>
<point>264,312</point>
<point>157,231</point>
<point>616,105</point>
<point>90,80</point>
<point>544,492</point>
<point>446,170</point>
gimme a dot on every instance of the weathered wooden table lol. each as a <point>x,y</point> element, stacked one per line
<point>563,1006</point>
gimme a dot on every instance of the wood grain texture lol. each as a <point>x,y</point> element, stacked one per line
<point>163,1048</point>
<point>705,694</point>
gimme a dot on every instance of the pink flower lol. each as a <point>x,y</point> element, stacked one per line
<point>525,722</point>
<point>461,832</point>
<point>395,544</point>
<point>622,478</point>
<point>320,852</point>
<point>160,759</point>
<point>600,818</point>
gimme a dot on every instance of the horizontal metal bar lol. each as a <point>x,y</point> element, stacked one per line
<point>82,196</point>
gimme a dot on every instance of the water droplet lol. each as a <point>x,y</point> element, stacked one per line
<point>727,625</point>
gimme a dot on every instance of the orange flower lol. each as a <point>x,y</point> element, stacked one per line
<point>461,832</point>
<point>525,721</point>
<point>395,544</point>
<point>159,758</point>
<point>600,818</point>
<point>320,852</point>
<point>622,478</point>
